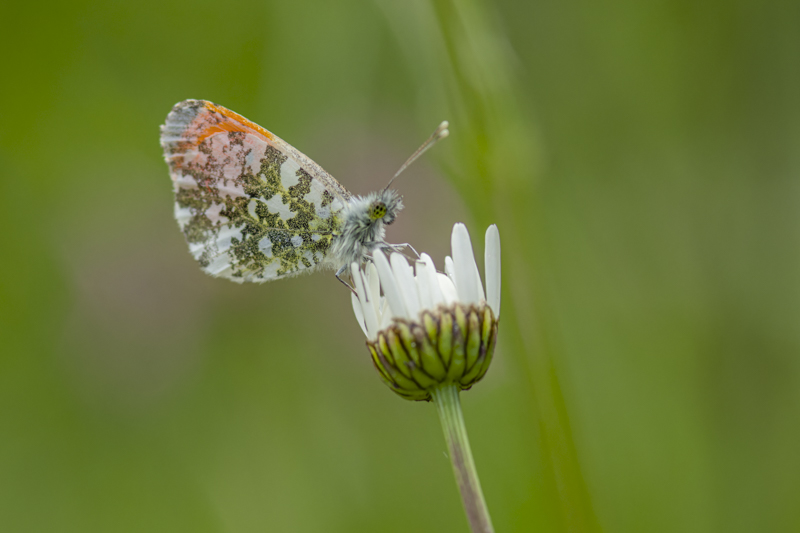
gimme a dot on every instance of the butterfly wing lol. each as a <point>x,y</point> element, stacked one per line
<point>252,207</point>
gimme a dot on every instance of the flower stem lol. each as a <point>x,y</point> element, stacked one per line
<point>455,433</point>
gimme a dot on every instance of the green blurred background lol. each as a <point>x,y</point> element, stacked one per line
<point>640,158</point>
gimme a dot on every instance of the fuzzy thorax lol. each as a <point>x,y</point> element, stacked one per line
<point>365,221</point>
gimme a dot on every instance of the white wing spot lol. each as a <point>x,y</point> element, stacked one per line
<point>336,205</point>
<point>297,240</point>
<point>289,170</point>
<point>315,237</point>
<point>265,245</point>
<point>213,213</point>
<point>233,190</point>
<point>184,181</point>
<point>271,270</point>
<point>251,208</point>
<point>195,157</point>
<point>182,215</point>
<point>276,205</point>
<point>218,264</point>
<point>225,237</point>
<point>314,196</point>
<point>196,249</point>
<point>255,148</point>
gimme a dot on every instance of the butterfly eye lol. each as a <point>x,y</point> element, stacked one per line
<point>377,210</point>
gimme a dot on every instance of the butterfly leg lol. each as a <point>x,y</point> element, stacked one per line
<point>396,247</point>
<point>393,247</point>
<point>339,273</point>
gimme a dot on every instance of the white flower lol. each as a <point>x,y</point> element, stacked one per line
<point>425,328</point>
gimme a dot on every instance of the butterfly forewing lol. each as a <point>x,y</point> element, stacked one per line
<point>252,207</point>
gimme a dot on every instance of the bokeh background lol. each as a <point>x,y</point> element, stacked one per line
<point>640,158</point>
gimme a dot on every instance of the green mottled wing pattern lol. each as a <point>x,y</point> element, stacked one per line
<point>252,208</point>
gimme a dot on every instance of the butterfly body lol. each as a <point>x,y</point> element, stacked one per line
<point>253,208</point>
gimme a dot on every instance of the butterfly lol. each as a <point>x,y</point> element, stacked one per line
<point>253,208</point>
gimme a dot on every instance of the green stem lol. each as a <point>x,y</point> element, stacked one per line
<point>455,433</point>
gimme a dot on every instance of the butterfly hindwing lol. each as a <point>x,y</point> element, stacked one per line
<point>252,208</point>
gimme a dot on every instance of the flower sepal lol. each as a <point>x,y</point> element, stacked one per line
<point>451,344</point>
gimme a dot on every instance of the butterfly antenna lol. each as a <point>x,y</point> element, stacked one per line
<point>440,133</point>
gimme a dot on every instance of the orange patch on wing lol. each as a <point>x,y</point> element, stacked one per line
<point>234,122</point>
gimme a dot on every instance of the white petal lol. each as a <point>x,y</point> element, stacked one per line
<point>468,280</point>
<point>408,286</point>
<point>368,312</point>
<point>359,313</point>
<point>391,289</point>
<point>428,283</point>
<point>448,289</point>
<point>491,263</point>
<point>374,288</point>
<point>385,314</point>
<point>450,269</point>
<point>425,300</point>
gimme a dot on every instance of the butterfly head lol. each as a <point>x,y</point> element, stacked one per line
<point>369,214</point>
<point>365,221</point>
<point>377,210</point>
<point>384,206</point>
